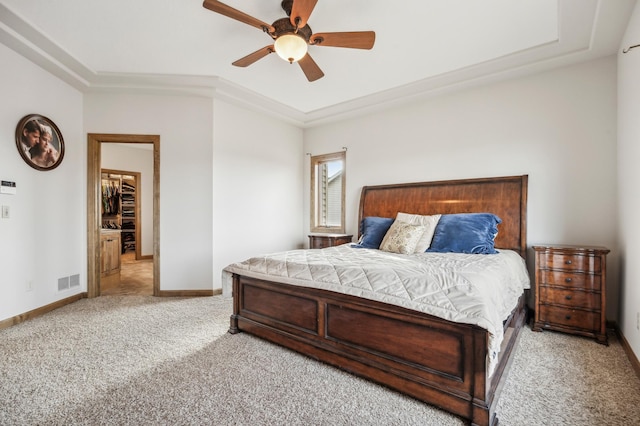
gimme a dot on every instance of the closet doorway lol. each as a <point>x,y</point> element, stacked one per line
<point>119,242</point>
<point>125,270</point>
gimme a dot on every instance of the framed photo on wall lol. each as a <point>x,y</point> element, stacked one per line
<point>39,142</point>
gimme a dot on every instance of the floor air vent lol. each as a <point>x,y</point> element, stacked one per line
<point>63,283</point>
<point>74,281</point>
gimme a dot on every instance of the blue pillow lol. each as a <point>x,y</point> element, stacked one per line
<point>373,230</point>
<point>465,233</point>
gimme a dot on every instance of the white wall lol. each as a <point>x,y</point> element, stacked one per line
<point>135,158</point>
<point>558,127</point>
<point>629,181</point>
<point>45,237</point>
<point>184,124</point>
<point>258,177</point>
<point>230,180</point>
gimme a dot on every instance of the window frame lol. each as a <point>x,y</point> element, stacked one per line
<point>317,160</point>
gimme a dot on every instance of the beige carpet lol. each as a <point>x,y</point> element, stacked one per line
<point>133,360</point>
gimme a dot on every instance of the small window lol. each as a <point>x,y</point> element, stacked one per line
<point>327,192</point>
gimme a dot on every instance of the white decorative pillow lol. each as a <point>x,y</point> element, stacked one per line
<point>402,238</point>
<point>429,223</point>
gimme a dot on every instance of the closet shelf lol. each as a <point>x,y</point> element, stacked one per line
<point>119,205</point>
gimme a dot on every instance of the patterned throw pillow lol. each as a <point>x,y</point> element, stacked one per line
<point>402,238</point>
<point>429,223</point>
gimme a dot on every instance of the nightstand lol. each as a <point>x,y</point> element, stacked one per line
<point>570,292</point>
<point>318,241</point>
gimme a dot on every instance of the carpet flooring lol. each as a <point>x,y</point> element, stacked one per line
<point>140,360</point>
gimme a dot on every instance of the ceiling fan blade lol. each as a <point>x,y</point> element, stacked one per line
<point>310,68</point>
<point>253,57</point>
<point>354,40</point>
<point>232,13</point>
<point>301,10</point>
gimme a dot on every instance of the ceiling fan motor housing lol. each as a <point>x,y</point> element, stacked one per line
<point>283,26</point>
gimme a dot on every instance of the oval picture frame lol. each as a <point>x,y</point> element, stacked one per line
<point>38,150</point>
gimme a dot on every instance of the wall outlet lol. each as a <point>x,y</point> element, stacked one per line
<point>638,320</point>
<point>5,212</point>
<point>29,285</point>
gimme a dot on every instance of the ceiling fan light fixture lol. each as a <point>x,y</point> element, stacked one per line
<point>292,35</point>
<point>291,47</point>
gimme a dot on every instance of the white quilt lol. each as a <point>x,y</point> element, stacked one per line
<point>466,288</point>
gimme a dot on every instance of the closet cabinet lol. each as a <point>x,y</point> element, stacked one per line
<point>120,206</point>
<point>110,252</point>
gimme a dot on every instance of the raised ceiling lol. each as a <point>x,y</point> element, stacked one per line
<point>422,47</point>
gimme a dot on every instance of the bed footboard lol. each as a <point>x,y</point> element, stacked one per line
<point>434,360</point>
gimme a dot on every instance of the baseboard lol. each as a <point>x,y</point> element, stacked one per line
<point>189,293</point>
<point>9,322</point>
<point>627,349</point>
<point>146,257</point>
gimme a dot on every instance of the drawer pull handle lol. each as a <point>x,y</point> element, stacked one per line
<point>568,262</point>
<point>567,317</point>
<point>568,280</point>
<point>568,297</point>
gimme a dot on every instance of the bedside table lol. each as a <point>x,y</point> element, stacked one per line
<point>318,241</point>
<point>570,292</point>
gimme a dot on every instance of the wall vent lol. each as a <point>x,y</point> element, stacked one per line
<point>74,281</point>
<point>63,283</point>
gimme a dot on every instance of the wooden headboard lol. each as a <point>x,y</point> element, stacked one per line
<point>505,197</point>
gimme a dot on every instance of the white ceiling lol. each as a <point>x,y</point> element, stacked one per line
<point>422,47</point>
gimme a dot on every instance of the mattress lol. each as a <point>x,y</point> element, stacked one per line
<point>474,289</point>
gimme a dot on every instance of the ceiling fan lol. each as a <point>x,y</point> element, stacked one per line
<point>292,35</point>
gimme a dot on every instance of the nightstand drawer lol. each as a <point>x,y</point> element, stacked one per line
<point>570,262</point>
<point>570,279</point>
<point>569,317</point>
<point>320,241</point>
<point>571,298</point>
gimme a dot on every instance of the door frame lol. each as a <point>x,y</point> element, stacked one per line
<point>94,220</point>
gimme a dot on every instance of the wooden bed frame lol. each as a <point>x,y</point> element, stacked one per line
<point>437,361</point>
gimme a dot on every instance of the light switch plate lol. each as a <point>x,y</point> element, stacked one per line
<point>5,212</point>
